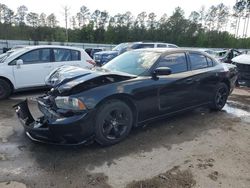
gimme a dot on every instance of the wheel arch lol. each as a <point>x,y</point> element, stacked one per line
<point>124,98</point>
<point>227,82</point>
<point>9,82</point>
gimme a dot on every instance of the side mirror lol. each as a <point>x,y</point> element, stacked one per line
<point>162,71</point>
<point>19,62</point>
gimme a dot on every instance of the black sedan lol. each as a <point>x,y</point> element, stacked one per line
<point>137,87</point>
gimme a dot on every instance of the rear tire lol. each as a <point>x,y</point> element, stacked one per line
<point>220,97</point>
<point>113,122</point>
<point>5,89</point>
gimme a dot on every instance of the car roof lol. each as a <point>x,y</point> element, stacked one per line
<point>52,46</point>
<point>141,42</point>
<point>164,49</point>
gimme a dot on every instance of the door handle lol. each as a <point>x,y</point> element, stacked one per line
<point>189,81</point>
<point>198,80</point>
<point>48,66</point>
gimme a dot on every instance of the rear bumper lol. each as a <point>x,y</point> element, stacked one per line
<point>73,130</point>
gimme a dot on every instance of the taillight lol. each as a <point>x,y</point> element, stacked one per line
<point>92,62</point>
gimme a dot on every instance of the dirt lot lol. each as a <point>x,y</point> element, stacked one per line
<point>196,149</point>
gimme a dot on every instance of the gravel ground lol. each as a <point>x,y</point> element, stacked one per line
<point>195,149</point>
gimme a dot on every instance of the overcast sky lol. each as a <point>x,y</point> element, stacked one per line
<point>114,6</point>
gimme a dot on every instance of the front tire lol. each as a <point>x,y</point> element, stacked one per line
<point>5,89</point>
<point>220,97</point>
<point>113,122</point>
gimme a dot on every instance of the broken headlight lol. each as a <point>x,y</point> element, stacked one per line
<point>69,103</point>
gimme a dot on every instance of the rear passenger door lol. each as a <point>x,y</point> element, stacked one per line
<point>63,57</point>
<point>204,77</point>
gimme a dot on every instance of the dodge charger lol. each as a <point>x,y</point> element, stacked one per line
<point>137,87</point>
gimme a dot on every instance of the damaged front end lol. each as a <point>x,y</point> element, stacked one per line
<point>56,126</point>
<point>66,118</point>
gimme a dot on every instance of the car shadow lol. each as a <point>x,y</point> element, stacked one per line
<point>65,161</point>
<point>164,133</point>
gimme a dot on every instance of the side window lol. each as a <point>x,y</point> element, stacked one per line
<point>172,46</point>
<point>36,56</point>
<point>145,46</point>
<point>62,55</point>
<point>45,55</point>
<point>75,55</point>
<point>210,62</point>
<point>161,45</point>
<point>176,62</point>
<point>198,61</point>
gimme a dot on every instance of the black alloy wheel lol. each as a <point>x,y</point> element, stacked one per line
<point>220,97</point>
<point>114,121</point>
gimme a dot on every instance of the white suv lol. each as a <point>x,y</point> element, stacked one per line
<point>28,67</point>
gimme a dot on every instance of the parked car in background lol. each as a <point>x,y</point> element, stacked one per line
<point>243,65</point>
<point>28,67</point>
<point>210,52</point>
<point>133,89</point>
<point>103,57</point>
<point>92,51</point>
<point>226,56</point>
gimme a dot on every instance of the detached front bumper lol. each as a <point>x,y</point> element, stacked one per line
<point>72,130</point>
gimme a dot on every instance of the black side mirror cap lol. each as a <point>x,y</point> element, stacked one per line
<point>162,71</point>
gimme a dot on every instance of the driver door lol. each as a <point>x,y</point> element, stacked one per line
<point>176,90</point>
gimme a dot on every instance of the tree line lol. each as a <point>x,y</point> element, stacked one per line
<point>217,26</point>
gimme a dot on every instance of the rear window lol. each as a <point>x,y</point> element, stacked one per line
<point>176,62</point>
<point>66,55</point>
<point>172,46</point>
<point>161,45</point>
<point>75,55</point>
<point>210,62</point>
<point>198,61</point>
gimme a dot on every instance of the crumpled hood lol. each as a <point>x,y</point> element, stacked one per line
<point>67,77</point>
<point>65,73</point>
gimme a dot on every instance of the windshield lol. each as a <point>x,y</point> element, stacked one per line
<point>133,62</point>
<point>121,46</point>
<point>9,53</point>
<point>4,56</point>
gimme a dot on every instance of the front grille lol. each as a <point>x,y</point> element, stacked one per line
<point>47,106</point>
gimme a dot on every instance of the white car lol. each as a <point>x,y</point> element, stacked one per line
<point>28,67</point>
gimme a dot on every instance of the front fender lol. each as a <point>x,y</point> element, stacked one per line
<point>92,99</point>
<point>94,96</point>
